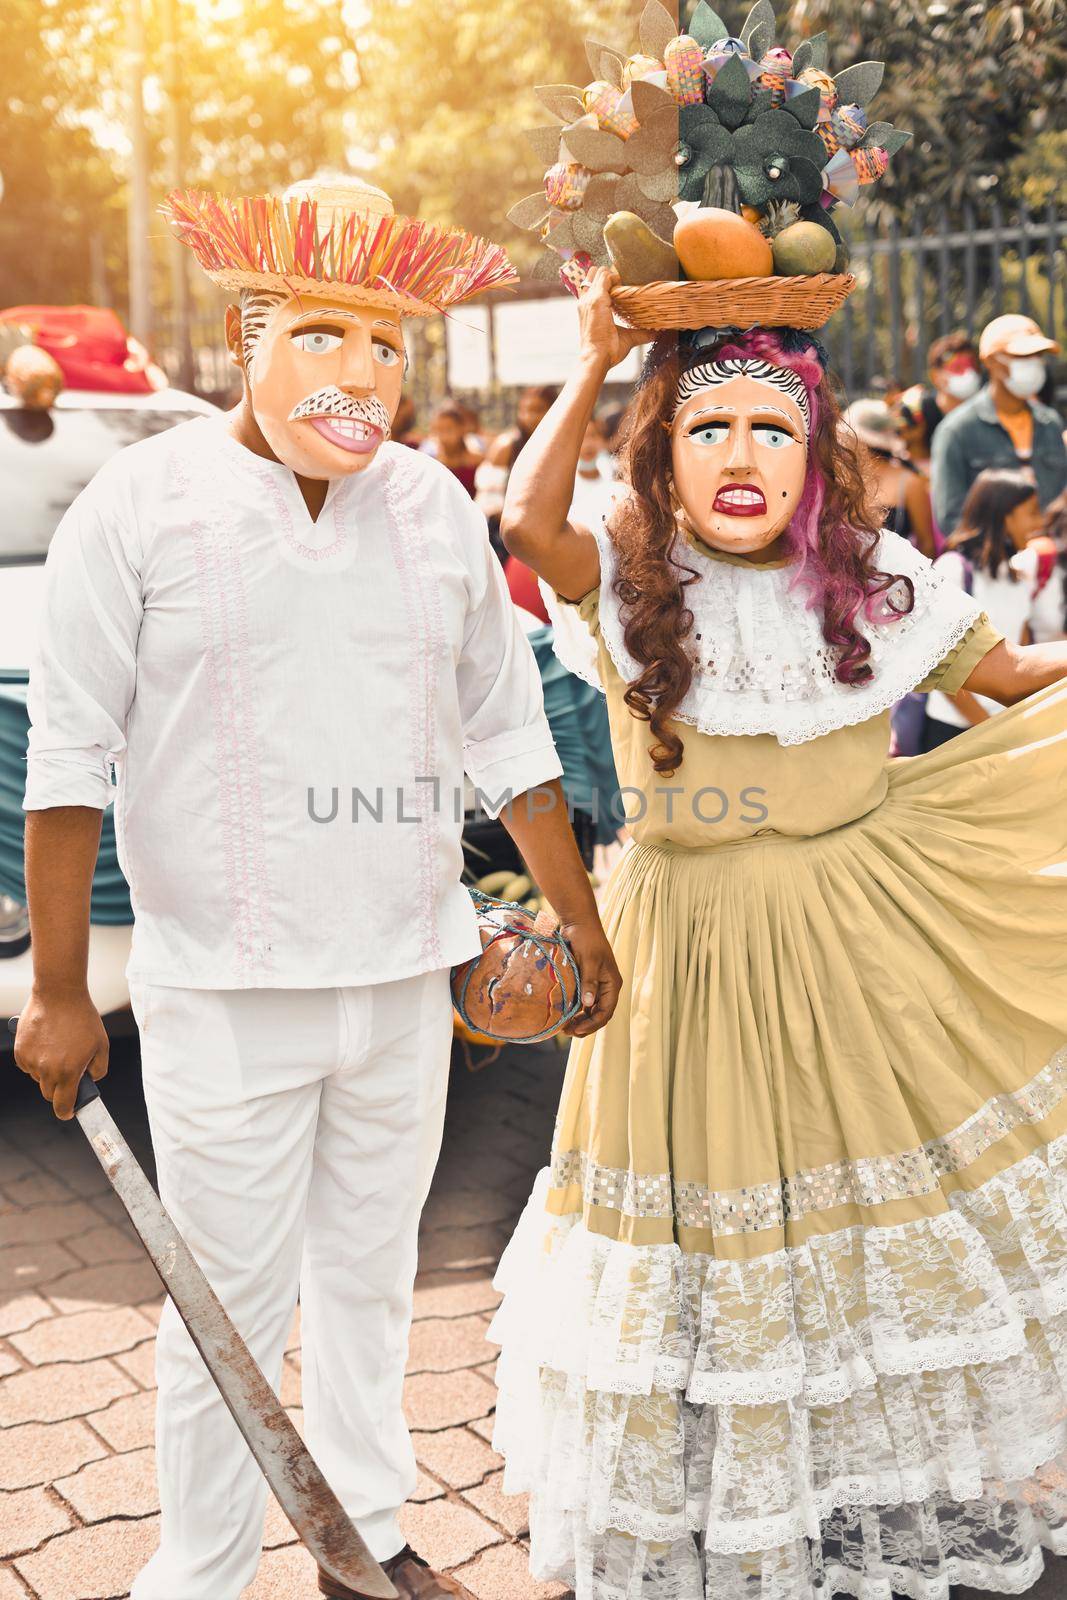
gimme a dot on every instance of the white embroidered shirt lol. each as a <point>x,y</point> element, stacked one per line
<point>288,706</point>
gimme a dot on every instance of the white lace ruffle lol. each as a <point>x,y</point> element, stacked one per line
<point>798,1413</point>
<point>762,664</point>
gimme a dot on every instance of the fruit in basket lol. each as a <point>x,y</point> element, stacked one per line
<point>803,247</point>
<point>524,985</point>
<point>713,243</point>
<point>637,254</point>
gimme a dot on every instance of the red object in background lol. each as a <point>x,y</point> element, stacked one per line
<point>522,587</point>
<point>90,346</point>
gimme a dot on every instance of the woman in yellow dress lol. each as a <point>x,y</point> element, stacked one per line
<point>787,1315</point>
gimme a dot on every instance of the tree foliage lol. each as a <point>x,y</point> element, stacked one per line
<point>979,84</point>
<point>431,100</point>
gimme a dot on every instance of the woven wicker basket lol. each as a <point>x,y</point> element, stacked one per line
<point>805,301</point>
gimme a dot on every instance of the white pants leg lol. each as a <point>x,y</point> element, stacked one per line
<point>290,1124</point>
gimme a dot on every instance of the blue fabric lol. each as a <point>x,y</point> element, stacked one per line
<point>578,717</point>
<point>111,896</point>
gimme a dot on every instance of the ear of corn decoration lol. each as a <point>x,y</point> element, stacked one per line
<point>684,61</point>
<point>612,114</point>
<point>565,185</point>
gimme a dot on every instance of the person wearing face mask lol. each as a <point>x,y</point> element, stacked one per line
<point>251,620</point>
<point>794,1179</point>
<point>955,376</point>
<point>1005,424</point>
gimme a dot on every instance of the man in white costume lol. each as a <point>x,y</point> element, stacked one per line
<point>278,641</point>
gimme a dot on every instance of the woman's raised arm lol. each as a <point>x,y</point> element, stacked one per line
<point>534,523</point>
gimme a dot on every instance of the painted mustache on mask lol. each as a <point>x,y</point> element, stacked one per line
<point>333,402</point>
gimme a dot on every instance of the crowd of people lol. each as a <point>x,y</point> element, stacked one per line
<point>970,467</point>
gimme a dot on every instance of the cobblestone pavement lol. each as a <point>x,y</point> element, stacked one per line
<point>78,1308</point>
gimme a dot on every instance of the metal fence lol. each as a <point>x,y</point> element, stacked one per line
<point>916,279</point>
<point>931,275</point>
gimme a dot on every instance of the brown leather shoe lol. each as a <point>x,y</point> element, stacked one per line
<point>411,1577</point>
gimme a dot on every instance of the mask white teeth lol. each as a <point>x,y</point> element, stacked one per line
<point>350,427</point>
<point>742,497</point>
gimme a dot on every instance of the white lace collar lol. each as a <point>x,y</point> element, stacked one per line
<point>762,665</point>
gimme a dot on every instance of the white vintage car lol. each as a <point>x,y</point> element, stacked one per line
<point>46,458</point>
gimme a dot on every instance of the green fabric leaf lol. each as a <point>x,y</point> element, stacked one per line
<point>546,268</point>
<point>657,28</point>
<point>599,151</point>
<point>602,194</point>
<point>652,147</point>
<point>706,26</point>
<point>593,52</point>
<point>758,32</point>
<point>804,108</point>
<point>662,186</point>
<point>564,100</point>
<point>858,85</point>
<point>610,68</point>
<point>730,96</point>
<point>820,51</point>
<point>529,213</point>
<point>588,232</point>
<point>561,236</point>
<point>545,142</point>
<point>801,58</point>
<point>893,141</point>
<point>648,99</point>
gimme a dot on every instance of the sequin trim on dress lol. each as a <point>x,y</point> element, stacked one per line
<point>870,1181</point>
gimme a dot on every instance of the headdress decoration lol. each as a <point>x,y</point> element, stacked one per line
<point>338,236</point>
<point>701,120</point>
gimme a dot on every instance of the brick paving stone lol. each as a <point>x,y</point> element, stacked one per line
<point>91,1563</point>
<point>286,1574</point>
<point>152,1308</point>
<point>443,1400</point>
<point>483,1426</point>
<point>510,1511</point>
<point>128,1424</point>
<point>443,1345</point>
<point>10,1587</point>
<point>426,1489</point>
<point>442,1294</point>
<point>140,1364</point>
<point>289,1393</point>
<point>46,1224</point>
<point>42,1452</point>
<point>35,1189</point>
<point>28,1516</point>
<point>466,1208</point>
<point>446,1534</point>
<point>32,1266</point>
<point>15,1163</point>
<point>8,1364</point>
<point>462,1247</point>
<point>108,1206</point>
<point>278,1530</point>
<point>456,1455</point>
<point>52,1394</point>
<point>98,1288</point>
<point>106,1243</point>
<point>22,1311</point>
<point>118,1486</point>
<point>503,1573</point>
<point>84,1336</point>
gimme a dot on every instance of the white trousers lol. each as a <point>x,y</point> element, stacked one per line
<point>296,1133</point>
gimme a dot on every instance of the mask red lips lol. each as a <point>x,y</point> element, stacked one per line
<point>740,500</point>
<point>348,433</point>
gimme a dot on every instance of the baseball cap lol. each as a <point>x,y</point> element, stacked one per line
<point>1014,335</point>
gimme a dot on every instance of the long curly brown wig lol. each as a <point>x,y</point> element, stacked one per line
<point>832,536</point>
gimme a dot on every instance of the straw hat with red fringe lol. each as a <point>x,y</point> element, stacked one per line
<point>340,236</point>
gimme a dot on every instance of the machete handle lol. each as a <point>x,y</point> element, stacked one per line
<point>87,1093</point>
<point>87,1090</point>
